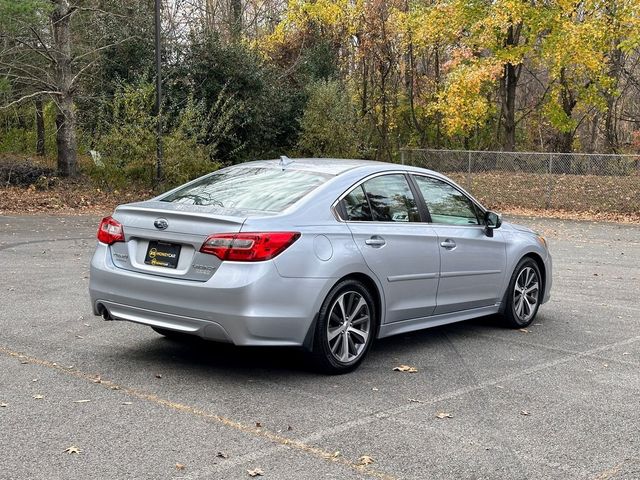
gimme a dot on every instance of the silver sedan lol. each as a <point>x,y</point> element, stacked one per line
<point>315,253</point>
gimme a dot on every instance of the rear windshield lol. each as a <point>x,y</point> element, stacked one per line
<point>266,189</point>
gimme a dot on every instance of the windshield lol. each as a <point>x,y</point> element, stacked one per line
<point>266,189</point>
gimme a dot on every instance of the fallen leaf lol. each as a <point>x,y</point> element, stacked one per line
<point>72,449</point>
<point>365,460</point>
<point>38,397</point>
<point>179,466</point>
<point>405,368</point>
<point>525,413</point>
<point>256,472</point>
<point>258,425</point>
<point>222,455</point>
<point>443,415</point>
<point>81,401</point>
<point>289,428</point>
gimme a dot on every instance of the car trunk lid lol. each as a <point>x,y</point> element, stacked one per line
<point>164,238</point>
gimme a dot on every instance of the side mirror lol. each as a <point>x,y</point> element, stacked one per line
<point>492,220</point>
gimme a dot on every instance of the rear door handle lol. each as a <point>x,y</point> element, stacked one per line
<point>375,241</point>
<point>448,244</point>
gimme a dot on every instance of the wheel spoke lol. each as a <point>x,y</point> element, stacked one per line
<point>358,321</point>
<point>358,333</point>
<point>333,333</point>
<point>354,312</point>
<point>344,354</point>
<point>336,346</point>
<point>343,312</point>
<point>352,346</point>
<point>527,307</point>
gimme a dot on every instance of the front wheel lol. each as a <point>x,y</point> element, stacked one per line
<point>524,294</point>
<point>345,328</point>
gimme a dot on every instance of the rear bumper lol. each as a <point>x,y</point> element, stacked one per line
<point>242,303</point>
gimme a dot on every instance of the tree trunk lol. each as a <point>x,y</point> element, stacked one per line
<point>65,117</point>
<point>509,84</point>
<point>235,20</point>
<point>564,139</point>
<point>509,112</point>
<point>40,140</point>
<point>66,137</point>
<point>611,131</point>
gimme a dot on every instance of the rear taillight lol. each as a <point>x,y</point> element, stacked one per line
<point>110,231</point>
<point>248,247</point>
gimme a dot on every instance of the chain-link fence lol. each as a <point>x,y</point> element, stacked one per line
<point>563,181</point>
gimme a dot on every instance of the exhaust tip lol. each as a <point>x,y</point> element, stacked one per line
<point>102,310</point>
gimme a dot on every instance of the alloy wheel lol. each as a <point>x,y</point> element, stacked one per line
<point>525,294</point>
<point>349,326</point>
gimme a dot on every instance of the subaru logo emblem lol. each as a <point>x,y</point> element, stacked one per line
<point>161,223</point>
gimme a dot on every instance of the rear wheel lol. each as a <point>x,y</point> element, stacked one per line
<point>345,328</point>
<point>525,291</point>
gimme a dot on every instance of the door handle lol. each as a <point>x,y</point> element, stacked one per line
<point>375,241</point>
<point>448,244</point>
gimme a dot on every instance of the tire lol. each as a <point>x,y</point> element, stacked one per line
<point>170,334</point>
<point>342,340</point>
<point>520,310</point>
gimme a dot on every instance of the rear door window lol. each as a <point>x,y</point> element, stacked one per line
<point>386,198</point>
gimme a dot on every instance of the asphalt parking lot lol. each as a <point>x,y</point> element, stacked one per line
<point>560,400</point>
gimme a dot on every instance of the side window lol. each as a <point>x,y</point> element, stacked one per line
<point>356,206</point>
<point>445,203</point>
<point>390,199</point>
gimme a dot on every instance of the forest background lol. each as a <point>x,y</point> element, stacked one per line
<point>252,79</point>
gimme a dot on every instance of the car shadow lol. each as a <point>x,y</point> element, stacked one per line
<point>204,357</point>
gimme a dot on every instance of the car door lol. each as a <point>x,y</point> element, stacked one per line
<point>472,264</point>
<point>400,249</point>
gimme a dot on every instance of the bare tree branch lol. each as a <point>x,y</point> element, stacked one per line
<point>43,44</point>
<point>31,95</point>
<point>104,47</point>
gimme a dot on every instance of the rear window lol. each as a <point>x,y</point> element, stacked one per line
<point>265,189</point>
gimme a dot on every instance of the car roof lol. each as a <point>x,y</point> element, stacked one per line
<point>329,166</point>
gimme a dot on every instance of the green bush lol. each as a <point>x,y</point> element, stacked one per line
<point>329,125</point>
<point>128,146</point>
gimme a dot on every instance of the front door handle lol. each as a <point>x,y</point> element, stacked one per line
<point>448,244</point>
<point>375,241</point>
